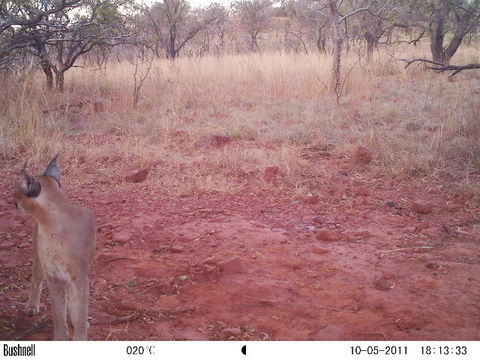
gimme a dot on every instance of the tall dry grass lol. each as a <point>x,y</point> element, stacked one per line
<point>272,107</point>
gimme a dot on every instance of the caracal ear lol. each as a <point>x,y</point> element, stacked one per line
<point>53,170</point>
<point>30,186</point>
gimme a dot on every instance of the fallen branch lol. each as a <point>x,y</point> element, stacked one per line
<point>119,320</point>
<point>66,106</point>
<point>441,67</point>
<point>34,329</point>
<point>335,309</point>
<point>382,253</point>
<point>117,259</point>
<point>176,311</point>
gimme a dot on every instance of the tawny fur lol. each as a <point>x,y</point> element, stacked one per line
<point>63,244</point>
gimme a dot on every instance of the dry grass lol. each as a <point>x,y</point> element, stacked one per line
<point>271,106</point>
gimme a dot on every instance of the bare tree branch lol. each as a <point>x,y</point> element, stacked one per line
<point>441,67</point>
<point>38,16</point>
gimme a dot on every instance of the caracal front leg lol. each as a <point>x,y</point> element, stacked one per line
<point>77,298</point>
<point>33,303</point>
<point>56,288</point>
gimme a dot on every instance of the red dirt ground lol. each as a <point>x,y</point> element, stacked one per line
<point>163,268</point>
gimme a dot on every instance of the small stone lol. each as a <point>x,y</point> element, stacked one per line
<point>326,235</point>
<point>392,204</point>
<point>410,229</point>
<point>235,332</point>
<point>422,207</point>
<point>317,250</point>
<point>98,107</point>
<point>363,191</point>
<point>358,234</point>
<point>363,155</point>
<point>454,208</point>
<point>434,266</point>
<point>137,175</point>
<point>231,265</point>
<point>270,174</point>
<point>384,284</point>
<point>176,249</point>
<point>128,305</point>
<point>122,236</point>
<point>432,231</point>
<point>311,199</point>
<point>421,226</point>
<point>217,140</point>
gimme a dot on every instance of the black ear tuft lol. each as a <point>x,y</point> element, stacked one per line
<point>53,170</point>
<point>31,186</point>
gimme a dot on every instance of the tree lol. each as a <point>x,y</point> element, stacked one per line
<point>374,25</point>
<point>458,16</point>
<point>306,14</point>
<point>173,24</point>
<point>58,33</point>
<point>17,16</point>
<point>337,23</point>
<point>255,16</point>
<point>437,19</point>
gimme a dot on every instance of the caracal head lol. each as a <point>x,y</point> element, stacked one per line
<point>30,187</point>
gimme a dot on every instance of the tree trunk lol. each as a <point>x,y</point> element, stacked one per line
<point>171,53</point>
<point>437,32</point>
<point>321,42</point>
<point>60,80</point>
<point>44,63</point>
<point>48,73</point>
<point>338,38</point>
<point>371,45</point>
<point>454,43</point>
<point>254,44</point>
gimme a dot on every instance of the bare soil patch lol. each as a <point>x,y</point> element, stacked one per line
<point>253,266</point>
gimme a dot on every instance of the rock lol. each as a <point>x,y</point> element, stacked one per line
<point>362,191</point>
<point>179,133</point>
<point>413,127</point>
<point>231,265</point>
<point>176,249</point>
<point>326,235</point>
<point>384,284</point>
<point>392,204</point>
<point>319,220</point>
<point>317,250</point>
<point>98,107</point>
<point>270,174</point>
<point>432,231</point>
<point>436,267</point>
<point>454,208</point>
<point>128,305</point>
<point>217,140</point>
<point>311,199</point>
<point>161,288</point>
<point>358,233</point>
<point>422,226</point>
<point>363,155</point>
<point>137,175</point>
<point>410,229</point>
<point>235,332</point>
<point>122,237</point>
<point>422,207</point>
